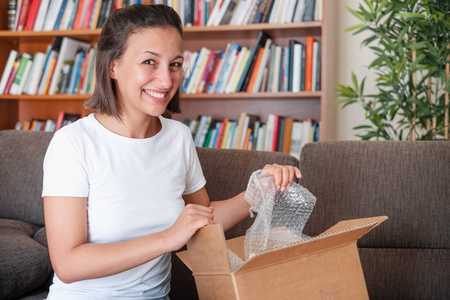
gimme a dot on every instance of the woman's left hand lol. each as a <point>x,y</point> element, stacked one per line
<point>283,175</point>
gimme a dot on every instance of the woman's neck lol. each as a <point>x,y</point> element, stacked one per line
<point>137,128</point>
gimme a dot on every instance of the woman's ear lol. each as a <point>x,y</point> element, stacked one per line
<point>113,71</point>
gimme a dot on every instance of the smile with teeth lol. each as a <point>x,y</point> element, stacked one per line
<point>155,94</point>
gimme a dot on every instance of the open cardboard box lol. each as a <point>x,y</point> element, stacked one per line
<point>326,266</point>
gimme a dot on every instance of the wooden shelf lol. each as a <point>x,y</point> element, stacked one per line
<point>242,95</point>
<point>255,96</point>
<point>300,105</point>
<point>44,97</point>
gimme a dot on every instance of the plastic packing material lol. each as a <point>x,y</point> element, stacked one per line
<point>281,216</point>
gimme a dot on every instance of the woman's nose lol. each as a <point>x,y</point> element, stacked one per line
<point>164,77</point>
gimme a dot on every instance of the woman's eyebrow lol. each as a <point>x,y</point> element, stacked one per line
<point>157,55</point>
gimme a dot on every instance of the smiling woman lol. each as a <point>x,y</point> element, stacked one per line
<point>123,187</point>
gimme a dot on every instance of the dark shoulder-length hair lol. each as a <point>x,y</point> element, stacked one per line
<point>112,43</point>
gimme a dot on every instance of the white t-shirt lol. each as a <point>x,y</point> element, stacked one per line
<point>134,188</point>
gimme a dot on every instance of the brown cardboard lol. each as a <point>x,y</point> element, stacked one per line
<point>323,267</point>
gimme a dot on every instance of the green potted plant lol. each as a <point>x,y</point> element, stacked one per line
<point>411,43</point>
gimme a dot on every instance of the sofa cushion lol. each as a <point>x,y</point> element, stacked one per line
<point>407,181</point>
<point>21,157</point>
<point>24,262</point>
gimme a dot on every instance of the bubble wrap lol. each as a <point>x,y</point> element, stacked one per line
<point>281,216</point>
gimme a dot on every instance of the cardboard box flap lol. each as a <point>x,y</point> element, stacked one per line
<point>207,251</point>
<point>184,257</point>
<point>339,236</point>
<point>343,225</point>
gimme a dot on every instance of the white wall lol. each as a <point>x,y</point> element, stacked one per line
<point>352,57</point>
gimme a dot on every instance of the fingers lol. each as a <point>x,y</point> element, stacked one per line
<point>192,218</point>
<point>283,175</point>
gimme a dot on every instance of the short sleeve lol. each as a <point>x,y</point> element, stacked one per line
<point>64,169</point>
<point>195,179</point>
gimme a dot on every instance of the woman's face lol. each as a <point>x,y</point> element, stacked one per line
<point>149,72</point>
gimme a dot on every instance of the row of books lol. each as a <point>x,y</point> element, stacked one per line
<point>242,12</point>
<point>278,133</point>
<point>266,67</point>
<point>67,67</point>
<point>47,15</point>
<point>49,125</point>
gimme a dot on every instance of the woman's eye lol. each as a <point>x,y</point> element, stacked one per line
<point>149,62</point>
<point>177,64</point>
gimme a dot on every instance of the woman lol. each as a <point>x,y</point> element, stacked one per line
<point>124,187</point>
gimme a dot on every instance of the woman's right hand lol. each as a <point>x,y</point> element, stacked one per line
<point>193,217</point>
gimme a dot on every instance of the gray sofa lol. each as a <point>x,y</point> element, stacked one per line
<point>407,257</point>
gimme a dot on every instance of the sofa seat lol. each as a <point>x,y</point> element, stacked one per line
<point>24,258</point>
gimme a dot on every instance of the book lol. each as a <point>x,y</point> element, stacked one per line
<point>309,63</point>
<point>207,73</point>
<point>220,133</point>
<point>12,5</point>
<point>75,75</point>
<point>217,7</point>
<point>228,12</point>
<point>246,74</point>
<point>79,13</point>
<point>67,51</point>
<point>306,132</point>
<point>314,65</point>
<point>223,8</point>
<point>51,53</point>
<point>276,70</point>
<point>7,70</point>
<point>262,67</point>
<point>96,13</point>
<point>60,15</point>
<point>231,134</point>
<point>240,11</point>
<point>65,118</point>
<point>261,138</point>
<point>271,68</point>
<point>228,66</point>
<point>64,24</point>
<point>268,11</point>
<point>226,135</point>
<point>299,11</point>
<point>240,70</point>
<point>199,66</point>
<point>12,74</point>
<point>317,83</point>
<point>21,72</point>
<point>22,14</point>
<point>89,13</point>
<point>25,76</point>
<point>254,74</point>
<point>296,139</point>
<point>52,14</point>
<point>90,61</point>
<point>287,139</point>
<point>296,67</point>
<point>62,86</point>
<point>200,130</point>
<point>40,17</point>
<point>34,76</point>
<point>239,131</point>
<point>247,129</point>
<point>212,82</point>
<point>50,72</point>
<point>237,65</point>
<point>280,134</point>
<point>32,14</point>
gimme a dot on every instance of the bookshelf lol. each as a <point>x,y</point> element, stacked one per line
<point>301,105</point>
